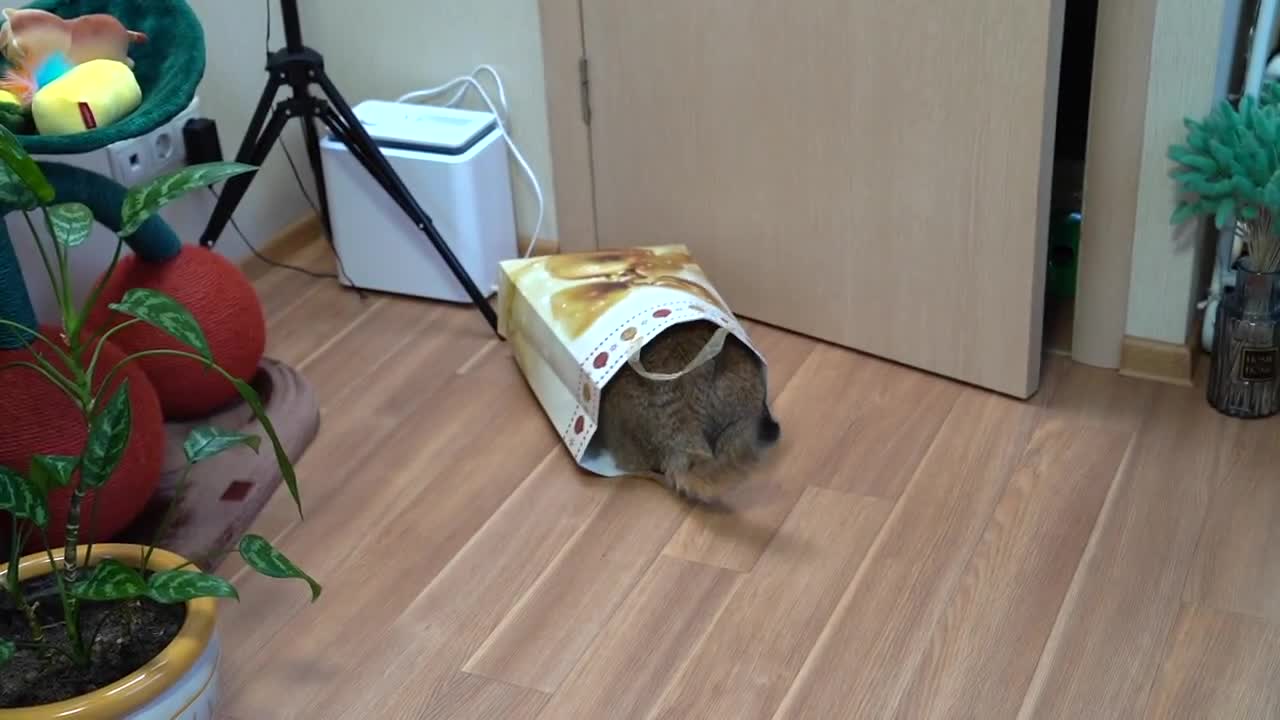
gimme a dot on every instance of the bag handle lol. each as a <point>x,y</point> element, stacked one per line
<point>708,352</point>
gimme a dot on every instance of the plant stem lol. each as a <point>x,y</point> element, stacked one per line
<point>70,604</point>
<point>96,292</point>
<point>93,361</point>
<point>14,585</point>
<point>70,559</point>
<point>66,386</point>
<point>19,326</point>
<point>169,513</point>
<point>93,527</point>
<point>70,318</point>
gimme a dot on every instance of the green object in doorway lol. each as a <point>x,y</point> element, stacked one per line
<point>1064,251</point>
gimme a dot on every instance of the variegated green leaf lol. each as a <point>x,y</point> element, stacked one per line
<point>14,195</point>
<point>15,157</point>
<point>7,650</point>
<point>71,223</point>
<point>159,310</point>
<point>52,471</point>
<point>108,436</point>
<point>144,200</point>
<point>20,499</point>
<point>111,580</point>
<point>250,396</point>
<point>261,556</point>
<point>204,442</point>
<point>179,586</point>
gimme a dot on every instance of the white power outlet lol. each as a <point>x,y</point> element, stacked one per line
<point>131,161</point>
<point>158,152</point>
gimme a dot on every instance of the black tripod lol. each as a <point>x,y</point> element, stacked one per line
<point>299,67</point>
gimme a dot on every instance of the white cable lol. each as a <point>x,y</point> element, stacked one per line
<point>472,82</point>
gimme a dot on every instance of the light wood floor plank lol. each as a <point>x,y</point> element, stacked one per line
<point>1107,643</point>
<point>327,311</point>
<point>410,503</point>
<point>823,412</point>
<point>879,632</point>
<point>633,660</point>
<point>900,413</point>
<point>1219,665</point>
<point>418,649</point>
<point>538,644</point>
<point>280,289</point>
<point>451,530</point>
<point>982,655</point>
<point>746,662</point>
<point>1237,567</point>
<point>362,406</point>
<point>470,697</point>
<point>347,366</point>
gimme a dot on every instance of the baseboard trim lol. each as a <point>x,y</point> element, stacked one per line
<point>545,246</point>
<point>1159,361</point>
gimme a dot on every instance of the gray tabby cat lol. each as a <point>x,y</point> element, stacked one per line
<point>700,433</point>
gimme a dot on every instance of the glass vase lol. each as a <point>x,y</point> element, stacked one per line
<point>1244,381</point>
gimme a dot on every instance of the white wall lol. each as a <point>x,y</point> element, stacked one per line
<point>385,48</point>
<point>1185,58</point>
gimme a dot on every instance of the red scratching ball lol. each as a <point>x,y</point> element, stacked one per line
<point>224,303</point>
<point>39,419</point>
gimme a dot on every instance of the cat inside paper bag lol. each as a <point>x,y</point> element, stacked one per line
<point>637,359</point>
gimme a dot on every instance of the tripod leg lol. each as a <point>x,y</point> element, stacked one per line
<point>237,186</point>
<point>357,137</point>
<point>317,169</point>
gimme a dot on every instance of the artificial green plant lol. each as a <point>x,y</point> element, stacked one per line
<point>70,363</point>
<point>1229,168</point>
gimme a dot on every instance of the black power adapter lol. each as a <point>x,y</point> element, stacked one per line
<point>200,136</point>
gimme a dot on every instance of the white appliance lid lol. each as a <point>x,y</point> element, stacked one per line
<point>427,128</point>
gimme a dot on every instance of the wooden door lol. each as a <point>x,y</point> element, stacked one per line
<point>873,173</point>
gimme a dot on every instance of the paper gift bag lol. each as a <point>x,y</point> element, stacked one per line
<point>573,320</point>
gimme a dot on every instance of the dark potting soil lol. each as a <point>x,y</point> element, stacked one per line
<point>132,633</point>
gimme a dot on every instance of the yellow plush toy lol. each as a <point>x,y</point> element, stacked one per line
<point>88,96</point>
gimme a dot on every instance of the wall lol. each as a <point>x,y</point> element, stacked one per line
<point>386,48</point>
<point>1184,80</point>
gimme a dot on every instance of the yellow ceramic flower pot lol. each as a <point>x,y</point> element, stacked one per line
<point>181,683</point>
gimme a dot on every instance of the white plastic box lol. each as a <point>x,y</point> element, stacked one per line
<point>454,162</point>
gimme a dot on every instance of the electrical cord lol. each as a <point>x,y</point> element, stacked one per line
<point>274,263</point>
<point>472,82</point>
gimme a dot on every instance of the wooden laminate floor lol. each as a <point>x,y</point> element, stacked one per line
<point>915,548</point>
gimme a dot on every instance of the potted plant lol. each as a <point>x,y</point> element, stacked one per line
<point>1229,168</point>
<point>112,631</point>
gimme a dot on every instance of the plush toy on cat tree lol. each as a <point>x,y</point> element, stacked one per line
<point>69,75</point>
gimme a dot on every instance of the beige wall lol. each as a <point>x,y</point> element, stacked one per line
<point>233,80</point>
<point>385,48</point>
<point>1163,283</point>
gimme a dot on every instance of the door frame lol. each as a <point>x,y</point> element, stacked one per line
<point>1122,53</point>
<point>563,48</point>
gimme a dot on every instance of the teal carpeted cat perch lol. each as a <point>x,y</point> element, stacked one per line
<point>168,67</point>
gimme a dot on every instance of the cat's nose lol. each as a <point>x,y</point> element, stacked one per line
<point>769,431</point>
